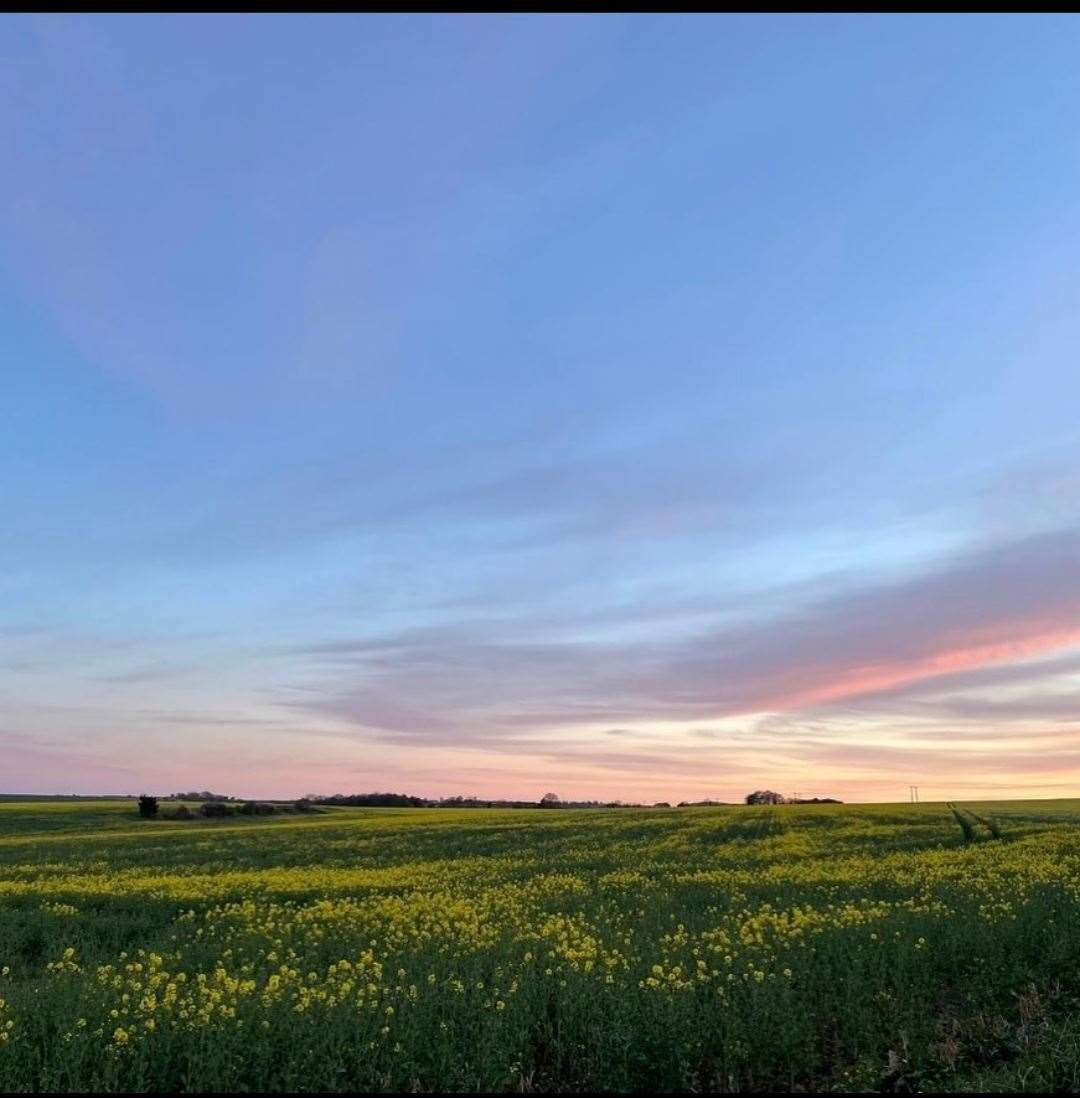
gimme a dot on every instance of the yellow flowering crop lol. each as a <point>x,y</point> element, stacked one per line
<point>425,949</point>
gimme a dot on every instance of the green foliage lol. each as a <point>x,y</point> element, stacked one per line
<point>257,808</point>
<point>967,826</point>
<point>991,825</point>
<point>968,821</point>
<point>806,947</point>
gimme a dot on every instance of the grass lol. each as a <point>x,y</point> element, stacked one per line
<point>798,947</point>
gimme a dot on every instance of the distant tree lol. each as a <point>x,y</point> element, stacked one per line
<point>147,806</point>
<point>371,800</point>
<point>460,802</point>
<point>215,808</point>
<point>661,804</point>
<point>550,800</point>
<point>764,796</point>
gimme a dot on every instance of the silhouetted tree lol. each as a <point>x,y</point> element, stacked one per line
<point>764,796</point>
<point>371,800</point>
<point>147,806</point>
<point>550,800</point>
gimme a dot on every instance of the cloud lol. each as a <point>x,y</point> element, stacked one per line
<point>976,614</point>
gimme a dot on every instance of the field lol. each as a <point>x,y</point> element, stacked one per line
<point>796,947</point>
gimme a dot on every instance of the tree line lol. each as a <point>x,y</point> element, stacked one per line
<point>217,805</point>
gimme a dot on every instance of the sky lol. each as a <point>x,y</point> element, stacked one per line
<point>641,408</point>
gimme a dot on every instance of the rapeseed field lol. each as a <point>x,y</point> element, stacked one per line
<point>707,949</point>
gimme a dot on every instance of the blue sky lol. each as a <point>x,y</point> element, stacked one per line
<point>634,407</point>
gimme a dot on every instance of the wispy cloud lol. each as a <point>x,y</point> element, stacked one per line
<point>976,614</point>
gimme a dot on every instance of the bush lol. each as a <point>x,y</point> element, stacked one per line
<point>215,809</point>
<point>148,806</point>
<point>183,813</point>
<point>304,805</point>
<point>256,808</point>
